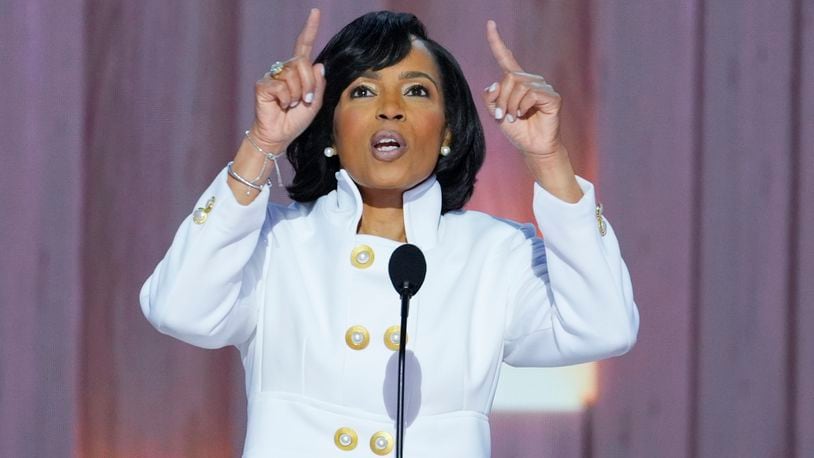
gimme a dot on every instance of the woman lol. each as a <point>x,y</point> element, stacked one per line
<point>385,142</point>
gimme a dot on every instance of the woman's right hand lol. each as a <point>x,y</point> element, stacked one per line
<point>287,103</point>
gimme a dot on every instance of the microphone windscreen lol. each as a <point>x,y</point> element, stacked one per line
<point>407,265</point>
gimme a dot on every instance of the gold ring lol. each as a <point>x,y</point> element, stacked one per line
<point>276,68</point>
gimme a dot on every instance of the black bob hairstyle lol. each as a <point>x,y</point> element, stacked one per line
<point>372,42</point>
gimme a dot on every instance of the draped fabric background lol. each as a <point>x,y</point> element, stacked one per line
<point>694,117</point>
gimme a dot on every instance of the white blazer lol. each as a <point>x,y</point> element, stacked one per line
<point>309,303</point>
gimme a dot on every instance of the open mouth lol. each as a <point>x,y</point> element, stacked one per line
<point>387,145</point>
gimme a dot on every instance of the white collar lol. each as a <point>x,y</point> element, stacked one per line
<point>422,208</point>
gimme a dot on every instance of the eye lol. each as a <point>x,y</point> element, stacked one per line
<point>361,91</point>
<point>417,90</point>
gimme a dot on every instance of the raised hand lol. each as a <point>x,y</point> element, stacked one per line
<point>525,105</point>
<point>287,102</point>
<point>527,109</point>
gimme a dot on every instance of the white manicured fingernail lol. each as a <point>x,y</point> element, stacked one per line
<point>293,104</point>
<point>510,118</point>
<point>492,87</point>
<point>498,113</point>
<point>322,69</point>
<point>309,97</point>
<point>519,114</point>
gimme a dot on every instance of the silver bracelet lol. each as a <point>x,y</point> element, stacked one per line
<point>239,178</point>
<point>269,157</point>
<point>262,172</point>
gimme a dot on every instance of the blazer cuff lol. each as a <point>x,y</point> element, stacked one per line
<point>218,207</point>
<point>554,214</point>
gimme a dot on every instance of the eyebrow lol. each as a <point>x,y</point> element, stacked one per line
<point>402,76</point>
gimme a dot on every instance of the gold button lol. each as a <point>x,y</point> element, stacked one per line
<point>362,257</point>
<point>201,213</point>
<point>603,228</point>
<point>357,337</point>
<point>199,216</point>
<point>381,443</point>
<point>392,337</point>
<point>345,439</point>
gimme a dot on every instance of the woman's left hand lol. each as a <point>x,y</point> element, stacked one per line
<point>526,107</point>
<point>528,112</point>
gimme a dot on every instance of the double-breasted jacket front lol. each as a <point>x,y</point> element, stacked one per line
<point>309,303</point>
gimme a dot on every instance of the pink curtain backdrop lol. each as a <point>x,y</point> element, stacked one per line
<point>695,118</point>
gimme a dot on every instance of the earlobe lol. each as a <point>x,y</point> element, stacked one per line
<point>445,148</point>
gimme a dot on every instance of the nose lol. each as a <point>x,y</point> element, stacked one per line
<point>390,110</point>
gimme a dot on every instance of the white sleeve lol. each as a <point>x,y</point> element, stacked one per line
<point>570,299</point>
<point>203,291</point>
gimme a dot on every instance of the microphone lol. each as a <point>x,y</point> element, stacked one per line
<point>407,270</point>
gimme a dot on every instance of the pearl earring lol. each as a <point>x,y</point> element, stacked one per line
<point>329,151</point>
<point>445,150</point>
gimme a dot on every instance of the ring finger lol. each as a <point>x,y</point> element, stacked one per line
<point>277,91</point>
<point>513,103</point>
<point>291,78</point>
<point>505,90</point>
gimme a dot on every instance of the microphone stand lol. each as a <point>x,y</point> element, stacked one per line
<point>407,269</point>
<point>405,307</point>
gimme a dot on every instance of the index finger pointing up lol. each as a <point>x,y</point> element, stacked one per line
<point>305,41</point>
<point>501,52</point>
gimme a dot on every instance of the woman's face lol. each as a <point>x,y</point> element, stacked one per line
<point>389,124</point>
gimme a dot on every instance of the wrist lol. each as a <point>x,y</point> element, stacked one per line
<point>555,174</point>
<point>548,165</point>
<point>263,141</point>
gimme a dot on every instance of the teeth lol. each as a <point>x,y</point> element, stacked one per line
<point>387,144</point>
